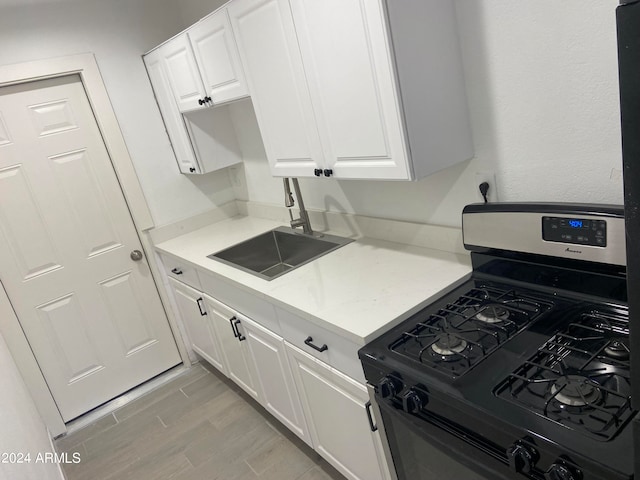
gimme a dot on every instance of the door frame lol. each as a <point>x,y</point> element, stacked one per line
<point>86,67</point>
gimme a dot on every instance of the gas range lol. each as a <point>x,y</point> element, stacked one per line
<point>523,371</point>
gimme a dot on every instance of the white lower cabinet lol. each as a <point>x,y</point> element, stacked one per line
<point>229,330</point>
<point>279,395</point>
<point>335,407</point>
<point>193,312</point>
<point>327,409</point>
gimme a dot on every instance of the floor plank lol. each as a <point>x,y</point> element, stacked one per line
<point>198,426</point>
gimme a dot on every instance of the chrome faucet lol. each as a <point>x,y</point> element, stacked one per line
<point>303,220</point>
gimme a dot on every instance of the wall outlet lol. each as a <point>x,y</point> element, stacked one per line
<point>490,178</point>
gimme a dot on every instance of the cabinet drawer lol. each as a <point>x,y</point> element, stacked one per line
<point>249,304</point>
<point>180,270</point>
<point>340,353</point>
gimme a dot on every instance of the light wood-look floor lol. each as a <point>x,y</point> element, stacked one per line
<point>198,426</point>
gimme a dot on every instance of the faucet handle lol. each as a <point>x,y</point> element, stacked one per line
<point>288,196</point>
<point>317,172</point>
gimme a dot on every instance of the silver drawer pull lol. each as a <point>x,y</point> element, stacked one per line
<point>315,347</point>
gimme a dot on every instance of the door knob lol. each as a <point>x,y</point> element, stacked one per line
<point>136,255</point>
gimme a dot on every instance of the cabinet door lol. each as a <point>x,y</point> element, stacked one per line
<point>171,115</point>
<point>183,73</point>
<point>279,395</point>
<point>229,329</point>
<point>336,413</point>
<point>348,63</point>
<point>197,322</point>
<point>269,52</point>
<point>217,57</point>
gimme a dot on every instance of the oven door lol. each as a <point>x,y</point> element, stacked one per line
<point>422,450</point>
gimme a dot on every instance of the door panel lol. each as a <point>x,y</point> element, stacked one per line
<point>279,395</point>
<point>52,117</point>
<point>92,316</point>
<point>199,327</point>
<point>5,139</point>
<point>240,367</point>
<point>268,48</point>
<point>121,295</point>
<point>335,410</point>
<point>62,319</point>
<point>172,117</point>
<point>84,198</point>
<point>183,73</point>
<point>30,242</point>
<point>348,62</point>
<point>217,55</point>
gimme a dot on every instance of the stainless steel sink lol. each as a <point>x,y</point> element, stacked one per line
<point>278,251</point>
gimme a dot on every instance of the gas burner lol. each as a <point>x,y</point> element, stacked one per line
<point>447,345</point>
<point>473,323</point>
<point>492,314</point>
<point>580,377</point>
<point>575,391</point>
<point>618,349</point>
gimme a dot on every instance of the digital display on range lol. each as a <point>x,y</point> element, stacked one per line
<point>578,223</point>
<point>578,231</point>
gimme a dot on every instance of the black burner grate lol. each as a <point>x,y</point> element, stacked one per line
<point>579,378</point>
<point>458,336</point>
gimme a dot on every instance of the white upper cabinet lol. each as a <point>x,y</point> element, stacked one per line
<point>379,84</point>
<point>266,40</point>
<point>173,121</point>
<point>347,64</point>
<point>351,89</point>
<point>183,73</point>
<point>203,65</point>
<point>201,131</point>
<point>217,57</point>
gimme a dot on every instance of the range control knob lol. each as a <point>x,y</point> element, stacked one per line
<point>389,387</point>
<point>562,471</point>
<point>412,401</point>
<point>522,458</point>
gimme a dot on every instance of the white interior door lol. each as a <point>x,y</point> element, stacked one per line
<point>91,314</point>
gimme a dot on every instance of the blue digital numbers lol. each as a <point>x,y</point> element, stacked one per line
<point>575,223</point>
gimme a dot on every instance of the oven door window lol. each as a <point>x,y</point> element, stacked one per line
<point>417,454</point>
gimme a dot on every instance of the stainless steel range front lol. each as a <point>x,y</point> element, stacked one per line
<point>524,370</point>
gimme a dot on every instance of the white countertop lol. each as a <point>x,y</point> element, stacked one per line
<point>358,291</point>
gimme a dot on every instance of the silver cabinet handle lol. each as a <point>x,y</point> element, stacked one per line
<point>136,255</point>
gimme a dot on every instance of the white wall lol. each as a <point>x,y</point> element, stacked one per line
<point>118,32</point>
<point>193,10</point>
<point>22,431</point>
<point>541,78</point>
